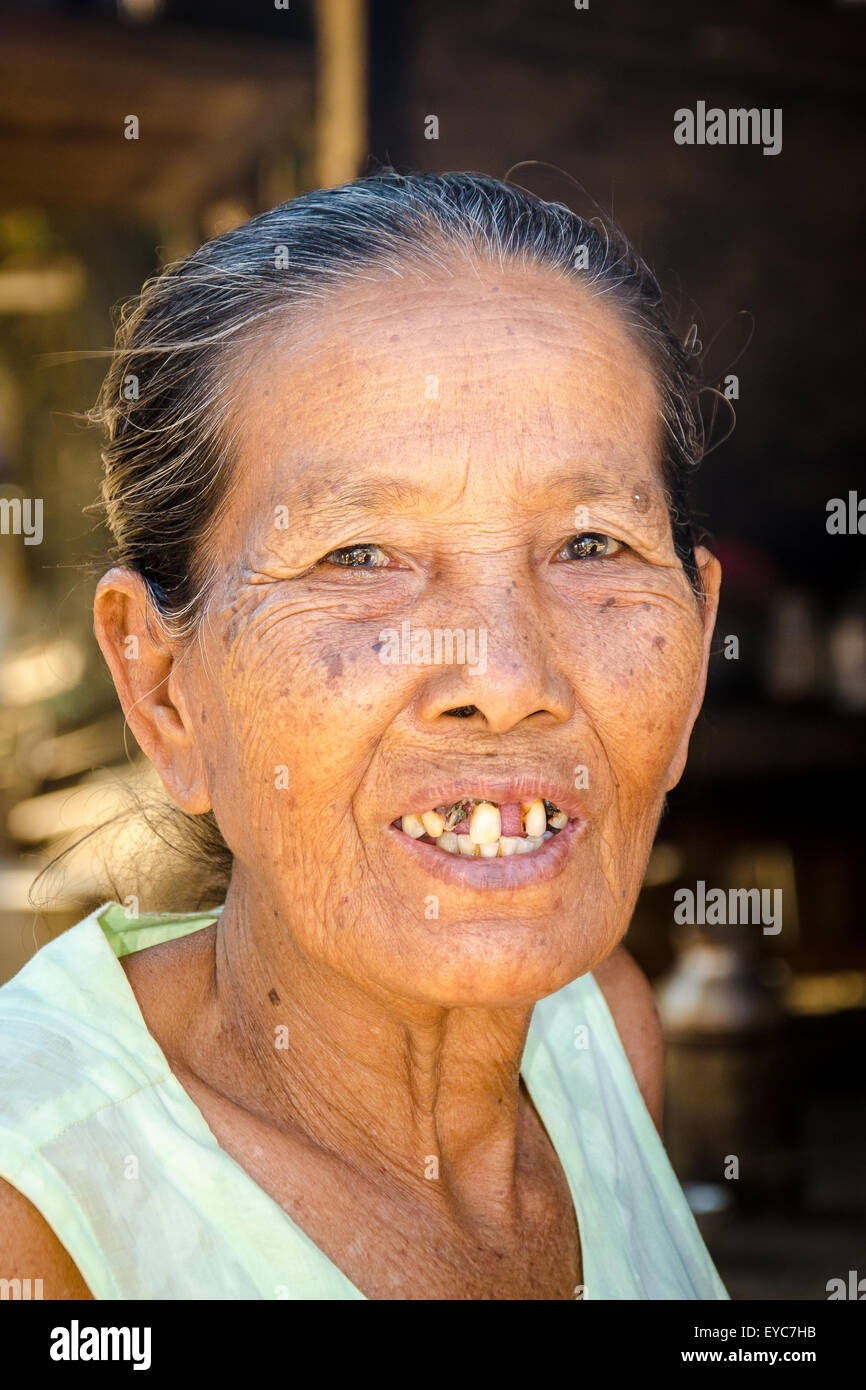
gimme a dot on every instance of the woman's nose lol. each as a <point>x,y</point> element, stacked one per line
<point>513,667</point>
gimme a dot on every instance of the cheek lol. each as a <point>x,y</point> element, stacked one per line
<point>638,661</point>
<point>304,701</point>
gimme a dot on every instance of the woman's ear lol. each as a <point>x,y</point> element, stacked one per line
<point>711,578</point>
<point>142,660</point>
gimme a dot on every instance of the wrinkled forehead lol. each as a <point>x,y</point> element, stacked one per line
<point>486,378</point>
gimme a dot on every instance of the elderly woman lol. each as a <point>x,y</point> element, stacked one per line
<point>404,578</point>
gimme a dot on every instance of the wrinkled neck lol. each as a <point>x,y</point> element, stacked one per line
<point>425,1095</point>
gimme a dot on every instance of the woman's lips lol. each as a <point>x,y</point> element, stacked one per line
<point>545,862</point>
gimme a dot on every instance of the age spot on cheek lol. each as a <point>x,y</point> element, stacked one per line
<point>641,502</point>
<point>659,641</point>
<point>334,663</point>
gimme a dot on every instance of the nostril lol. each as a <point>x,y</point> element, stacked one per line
<point>462,711</point>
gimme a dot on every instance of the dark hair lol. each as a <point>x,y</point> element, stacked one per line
<point>165,401</point>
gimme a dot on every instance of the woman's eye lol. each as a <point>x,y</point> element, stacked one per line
<point>590,545</point>
<point>357,557</point>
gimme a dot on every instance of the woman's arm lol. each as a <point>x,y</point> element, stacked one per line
<point>630,999</point>
<point>29,1249</point>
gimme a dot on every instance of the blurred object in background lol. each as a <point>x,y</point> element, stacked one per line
<point>847,649</point>
<point>729,1106</point>
<point>794,659</point>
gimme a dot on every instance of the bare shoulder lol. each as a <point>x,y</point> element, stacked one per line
<point>29,1249</point>
<point>629,997</point>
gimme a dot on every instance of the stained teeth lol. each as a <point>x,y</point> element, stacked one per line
<point>455,813</point>
<point>534,817</point>
<point>485,824</point>
<point>540,818</point>
<point>433,823</point>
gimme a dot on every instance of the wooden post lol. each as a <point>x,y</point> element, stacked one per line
<point>341,95</point>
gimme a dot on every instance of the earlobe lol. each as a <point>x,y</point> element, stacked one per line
<point>711,577</point>
<point>141,658</point>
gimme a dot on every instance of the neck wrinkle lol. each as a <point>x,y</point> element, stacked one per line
<point>423,1096</point>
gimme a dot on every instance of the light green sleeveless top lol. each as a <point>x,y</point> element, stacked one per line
<point>104,1141</point>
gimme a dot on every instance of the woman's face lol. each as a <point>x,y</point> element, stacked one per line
<point>446,441</point>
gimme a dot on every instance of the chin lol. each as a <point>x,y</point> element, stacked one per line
<point>501,964</point>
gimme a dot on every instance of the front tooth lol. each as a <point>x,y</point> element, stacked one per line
<point>508,844</point>
<point>559,821</point>
<point>448,841</point>
<point>489,851</point>
<point>534,817</point>
<point>464,845</point>
<point>433,823</point>
<point>414,826</point>
<point>485,824</point>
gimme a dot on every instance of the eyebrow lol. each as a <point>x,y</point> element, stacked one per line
<point>381,492</point>
<point>370,494</point>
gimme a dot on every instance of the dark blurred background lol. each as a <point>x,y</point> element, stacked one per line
<point>241,105</point>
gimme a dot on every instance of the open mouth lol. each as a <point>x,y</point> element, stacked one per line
<point>483,829</point>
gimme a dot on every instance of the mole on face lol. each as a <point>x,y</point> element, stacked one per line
<point>659,641</point>
<point>273,996</point>
<point>641,502</point>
